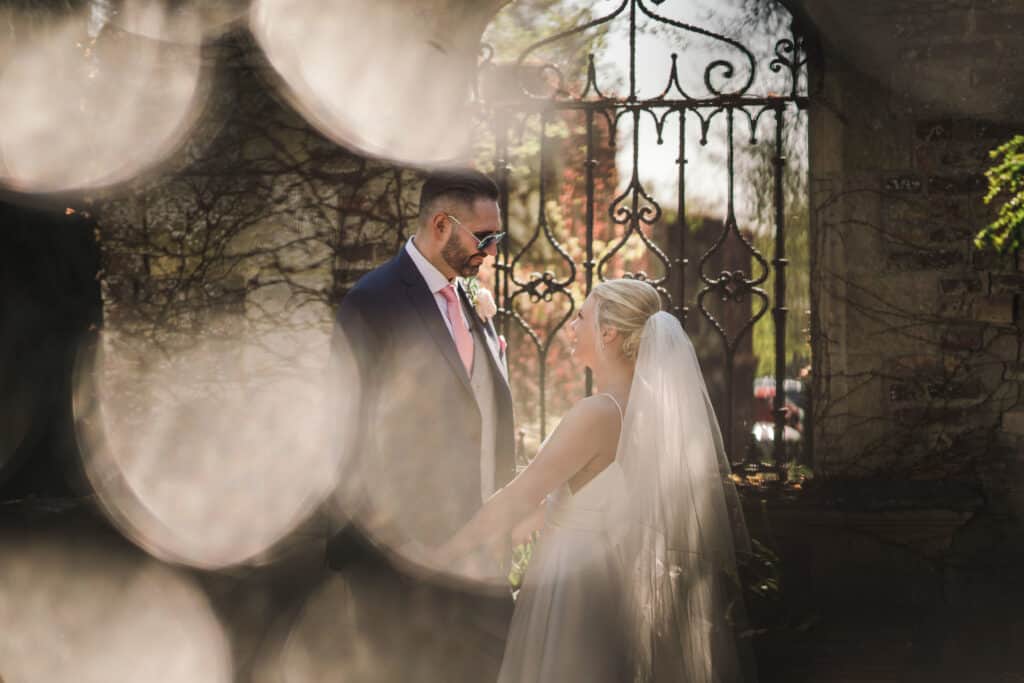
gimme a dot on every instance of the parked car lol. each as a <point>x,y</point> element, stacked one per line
<point>762,433</point>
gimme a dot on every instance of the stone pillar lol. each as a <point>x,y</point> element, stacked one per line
<point>917,332</point>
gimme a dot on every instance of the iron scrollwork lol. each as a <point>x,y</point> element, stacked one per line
<point>728,82</point>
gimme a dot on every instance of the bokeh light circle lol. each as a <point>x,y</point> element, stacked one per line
<point>79,608</point>
<point>391,80</point>
<point>210,455</point>
<point>87,105</point>
<point>186,22</point>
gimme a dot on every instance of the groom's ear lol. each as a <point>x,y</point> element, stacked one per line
<point>439,225</point>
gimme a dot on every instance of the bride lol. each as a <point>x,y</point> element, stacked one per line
<point>634,575</point>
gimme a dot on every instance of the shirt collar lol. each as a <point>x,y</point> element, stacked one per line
<point>435,280</point>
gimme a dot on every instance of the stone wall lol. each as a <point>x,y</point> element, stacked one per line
<point>898,562</point>
<point>259,224</point>
<point>917,364</point>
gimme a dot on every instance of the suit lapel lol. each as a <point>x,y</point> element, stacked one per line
<point>423,301</point>
<point>486,334</point>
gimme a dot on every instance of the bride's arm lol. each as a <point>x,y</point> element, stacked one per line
<point>579,437</point>
<point>523,531</point>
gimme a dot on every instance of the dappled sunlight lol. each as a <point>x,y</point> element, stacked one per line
<point>78,609</point>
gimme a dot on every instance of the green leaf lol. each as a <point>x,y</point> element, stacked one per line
<point>1005,189</point>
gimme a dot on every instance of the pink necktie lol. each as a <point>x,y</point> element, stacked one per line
<point>463,340</point>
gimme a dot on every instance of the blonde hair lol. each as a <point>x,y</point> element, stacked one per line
<point>625,305</point>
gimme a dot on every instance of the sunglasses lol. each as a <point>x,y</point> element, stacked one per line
<point>482,242</point>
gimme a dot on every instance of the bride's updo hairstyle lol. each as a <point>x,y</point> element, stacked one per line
<point>625,305</point>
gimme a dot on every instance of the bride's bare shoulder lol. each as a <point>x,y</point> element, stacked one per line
<point>595,412</point>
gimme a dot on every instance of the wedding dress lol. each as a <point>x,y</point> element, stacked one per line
<point>634,577</point>
<point>567,625</point>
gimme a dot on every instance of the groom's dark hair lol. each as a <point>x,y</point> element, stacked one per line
<point>463,185</point>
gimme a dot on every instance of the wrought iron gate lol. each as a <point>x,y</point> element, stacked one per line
<point>729,93</point>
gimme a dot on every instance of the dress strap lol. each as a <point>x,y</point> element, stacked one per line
<point>621,416</point>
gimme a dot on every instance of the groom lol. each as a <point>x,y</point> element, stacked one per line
<point>434,432</point>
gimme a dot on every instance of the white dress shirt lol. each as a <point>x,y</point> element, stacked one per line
<point>435,283</point>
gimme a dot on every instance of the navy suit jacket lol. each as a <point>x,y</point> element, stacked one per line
<point>412,466</point>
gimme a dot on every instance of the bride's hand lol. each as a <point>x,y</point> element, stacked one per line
<point>522,533</point>
<point>428,557</point>
<point>417,553</point>
<point>438,557</point>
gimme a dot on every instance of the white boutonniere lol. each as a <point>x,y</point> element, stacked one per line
<point>482,299</point>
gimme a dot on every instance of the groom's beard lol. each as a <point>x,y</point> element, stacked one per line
<point>465,262</point>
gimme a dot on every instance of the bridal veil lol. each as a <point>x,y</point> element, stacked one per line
<point>684,603</point>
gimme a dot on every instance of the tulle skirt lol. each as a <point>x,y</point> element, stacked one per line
<point>568,626</point>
